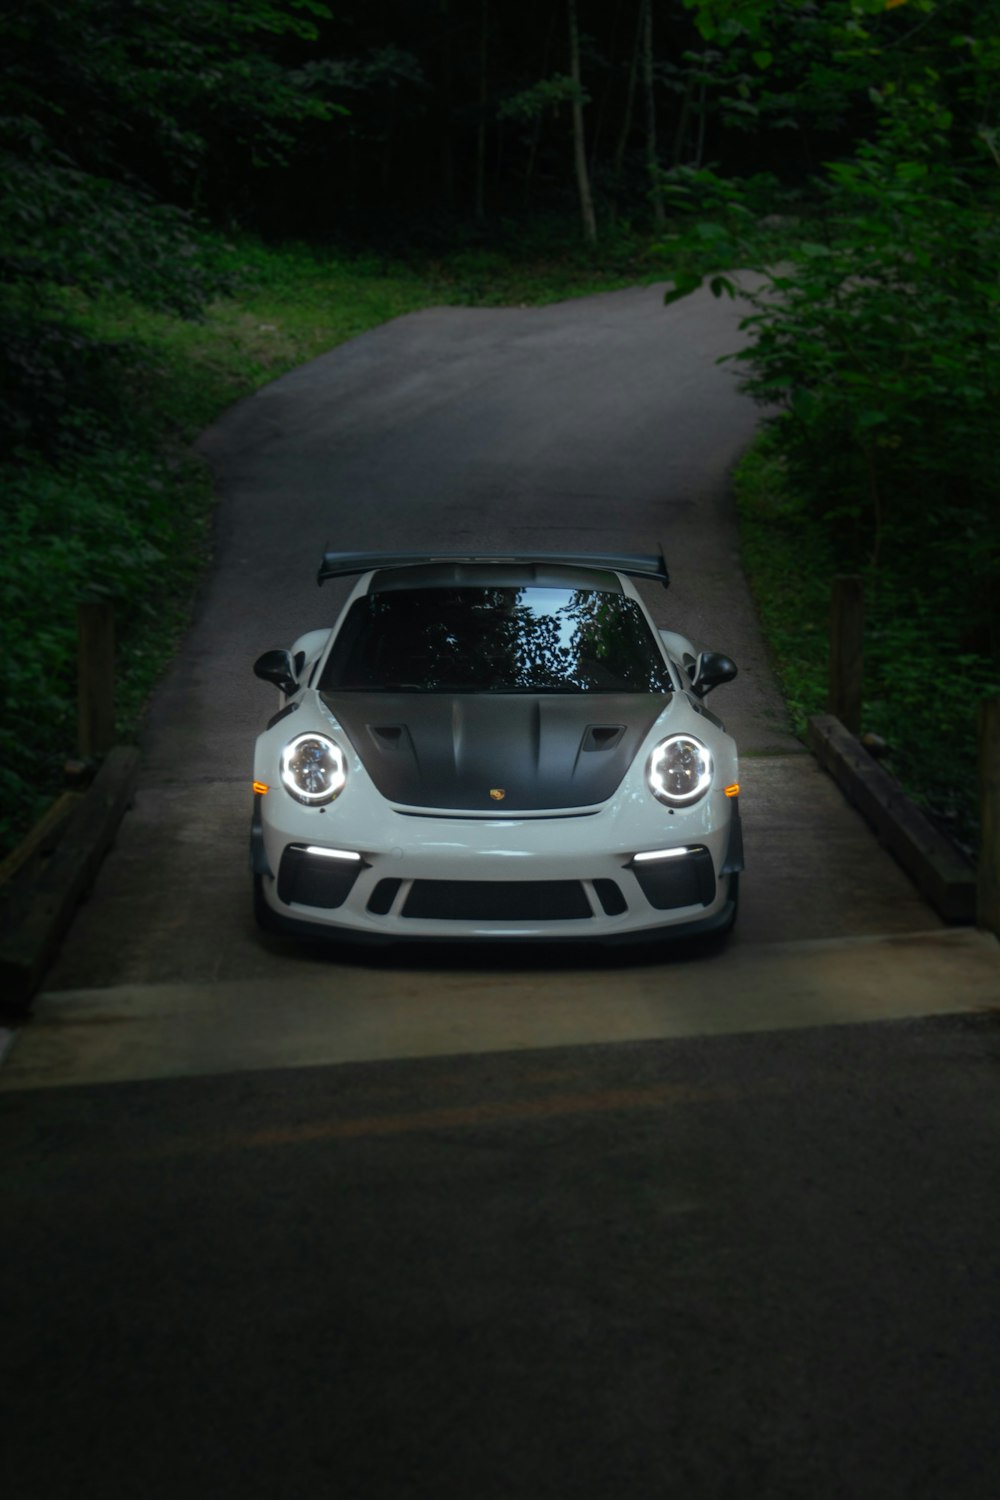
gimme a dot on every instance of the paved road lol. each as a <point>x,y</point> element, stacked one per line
<point>278,1224</point>
<point>702,1269</point>
<point>599,423</point>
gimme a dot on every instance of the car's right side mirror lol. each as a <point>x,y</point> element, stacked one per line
<point>277,667</point>
<point>711,670</point>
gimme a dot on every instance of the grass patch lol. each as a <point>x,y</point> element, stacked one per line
<point>789,563</point>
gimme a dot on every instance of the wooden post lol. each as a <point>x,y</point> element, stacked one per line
<point>95,677</point>
<point>988,874</point>
<point>847,628</point>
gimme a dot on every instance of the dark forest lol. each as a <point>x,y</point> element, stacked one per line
<point>170,169</point>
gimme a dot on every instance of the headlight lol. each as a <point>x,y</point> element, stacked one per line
<point>679,770</point>
<point>313,769</point>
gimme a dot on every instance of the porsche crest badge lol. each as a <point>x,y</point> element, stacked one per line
<point>497,793</point>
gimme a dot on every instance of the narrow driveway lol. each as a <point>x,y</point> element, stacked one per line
<point>600,423</point>
<point>519,1227</point>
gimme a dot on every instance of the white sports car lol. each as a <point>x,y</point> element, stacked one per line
<point>495,748</point>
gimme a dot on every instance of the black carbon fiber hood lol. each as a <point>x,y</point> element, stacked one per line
<point>458,751</point>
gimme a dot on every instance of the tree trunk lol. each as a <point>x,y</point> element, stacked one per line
<point>536,128</point>
<point>629,98</point>
<point>680,136</point>
<point>480,207</point>
<point>648,82</point>
<point>443,97</point>
<point>699,153</point>
<point>602,108</point>
<point>579,141</point>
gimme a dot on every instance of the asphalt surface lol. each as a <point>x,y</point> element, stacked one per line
<point>600,423</point>
<point>728,1267</point>
<point>283,1222</point>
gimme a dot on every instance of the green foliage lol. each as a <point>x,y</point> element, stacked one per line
<point>125,327</point>
<point>157,85</point>
<point>921,687</point>
<point>108,500</point>
<point>546,95</point>
<point>102,496</point>
<point>789,561</point>
<point>728,20</point>
<point>107,525</point>
<point>921,691</point>
<point>881,346</point>
<point>876,347</point>
<point>160,89</point>
<point>718,223</point>
<point>165,92</point>
<point>543,260</point>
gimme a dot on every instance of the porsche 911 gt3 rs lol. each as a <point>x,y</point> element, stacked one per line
<point>495,748</point>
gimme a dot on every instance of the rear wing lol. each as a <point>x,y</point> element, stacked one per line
<point>635,565</point>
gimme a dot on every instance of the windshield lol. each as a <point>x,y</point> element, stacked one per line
<point>508,640</point>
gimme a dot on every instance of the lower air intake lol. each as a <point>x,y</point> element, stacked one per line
<point>688,880</point>
<point>306,879</point>
<point>497,900</point>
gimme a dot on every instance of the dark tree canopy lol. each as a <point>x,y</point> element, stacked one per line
<point>294,116</point>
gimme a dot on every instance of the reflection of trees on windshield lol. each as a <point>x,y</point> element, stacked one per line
<point>465,639</point>
<point>608,630</point>
<point>527,649</point>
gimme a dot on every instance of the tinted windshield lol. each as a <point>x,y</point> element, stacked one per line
<point>515,640</point>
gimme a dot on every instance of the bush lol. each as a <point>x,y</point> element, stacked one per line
<point>882,346</point>
<point>113,523</point>
<point>921,687</point>
<point>876,345</point>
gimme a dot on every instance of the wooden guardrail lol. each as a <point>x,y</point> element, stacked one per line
<point>847,651</point>
<point>937,868</point>
<point>957,891</point>
<point>38,906</point>
<point>988,880</point>
<point>43,881</point>
<point>95,630</point>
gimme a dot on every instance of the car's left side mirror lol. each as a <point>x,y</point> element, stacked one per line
<point>711,671</point>
<point>277,667</point>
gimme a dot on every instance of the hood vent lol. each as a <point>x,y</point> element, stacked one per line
<point>391,737</point>
<point>601,736</point>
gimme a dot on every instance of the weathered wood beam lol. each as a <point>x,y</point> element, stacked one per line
<point>939,871</point>
<point>36,910</point>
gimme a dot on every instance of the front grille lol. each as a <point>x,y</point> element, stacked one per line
<point>497,900</point>
<point>610,897</point>
<point>495,816</point>
<point>381,899</point>
<point>306,879</point>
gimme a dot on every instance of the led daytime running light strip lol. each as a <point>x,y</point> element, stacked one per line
<point>649,854</point>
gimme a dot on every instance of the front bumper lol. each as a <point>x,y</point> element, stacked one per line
<point>555,879</point>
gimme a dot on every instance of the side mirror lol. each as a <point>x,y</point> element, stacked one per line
<point>277,667</point>
<point>711,671</point>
